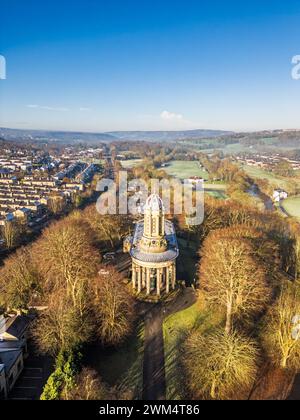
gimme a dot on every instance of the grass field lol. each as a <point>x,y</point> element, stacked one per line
<point>219,194</point>
<point>128,164</point>
<point>185,169</point>
<point>229,149</point>
<point>176,328</point>
<point>216,190</point>
<point>259,173</point>
<point>292,206</point>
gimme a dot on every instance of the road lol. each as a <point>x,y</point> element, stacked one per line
<point>154,388</point>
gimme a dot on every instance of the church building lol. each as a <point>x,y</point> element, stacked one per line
<point>154,251</point>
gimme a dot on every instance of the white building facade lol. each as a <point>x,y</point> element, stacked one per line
<point>154,251</point>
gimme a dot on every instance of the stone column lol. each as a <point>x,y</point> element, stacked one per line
<point>158,281</point>
<point>174,276</point>
<point>143,277</point>
<point>148,281</point>
<point>139,274</point>
<point>168,274</point>
<point>133,276</point>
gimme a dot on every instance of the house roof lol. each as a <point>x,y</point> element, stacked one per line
<point>8,358</point>
<point>16,326</point>
<point>279,190</point>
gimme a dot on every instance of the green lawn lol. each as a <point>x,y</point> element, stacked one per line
<point>292,206</point>
<point>123,366</point>
<point>216,190</point>
<point>216,185</point>
<point>176,329</point>
<point>129,164</point>
<point>185,169</point>
<point>259,173</point>
<point>219,194</point>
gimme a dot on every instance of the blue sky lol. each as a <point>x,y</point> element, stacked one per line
<point>148,65</point>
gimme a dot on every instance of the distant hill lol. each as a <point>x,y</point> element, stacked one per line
<point>58,136</point>
<point>66,136</point>
<point>167,135</point>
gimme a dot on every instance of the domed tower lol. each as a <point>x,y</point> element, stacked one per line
<point>153,240</point>
<point>154,251</point>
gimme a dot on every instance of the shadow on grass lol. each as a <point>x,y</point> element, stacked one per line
<point>176,330</point>
<point>120,367</point>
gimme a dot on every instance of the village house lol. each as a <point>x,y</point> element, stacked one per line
<point>196,181</point>
<point>279,195</point>
<point>13,351</point>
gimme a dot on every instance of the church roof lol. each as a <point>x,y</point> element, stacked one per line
<point>170,254</point>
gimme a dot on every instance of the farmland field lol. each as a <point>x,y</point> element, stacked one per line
<point>219,194</point>
<point>185,169</point>
<point>292,206</point>
<point>128,164</point>
<point>259,173</point>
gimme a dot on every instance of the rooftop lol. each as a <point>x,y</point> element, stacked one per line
<point>170,254</point>
<point>8,358</point>
<point>15,326</point>
<point>154,203</point>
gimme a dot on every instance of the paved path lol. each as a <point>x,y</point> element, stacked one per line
<point>295,392</point>
<point>32,380</point>
<point>154,358</point>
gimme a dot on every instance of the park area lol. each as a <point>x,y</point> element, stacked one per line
<point>292,206</point>
<point>258,173</point>
<point>120,367</point>
<point>176,328</point>
<point>131,163</point>
<point>185,169</point>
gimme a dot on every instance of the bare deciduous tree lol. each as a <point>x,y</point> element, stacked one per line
<point>107,228</point>
<point>220,365</point>
<point>233,278</point>
<point>56,204</point>
<point>281,333</point>
<point>19,280</point>
<point>88,386</point>
<point>67,259</point>
<point>113,307</point>
<point>61,327</point>
<point>10,233</point>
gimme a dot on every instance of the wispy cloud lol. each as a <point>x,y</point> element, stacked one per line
<point>167,120</point>
<point>171,116</point>
<point>84,109</point>
<point>177,121</point>
<point>48,108</point>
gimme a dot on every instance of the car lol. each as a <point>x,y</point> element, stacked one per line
<point>109,256</point>
<point>103,272</point>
